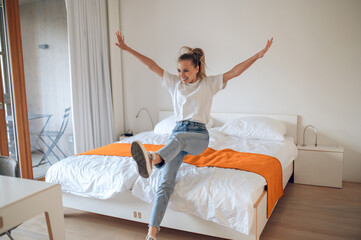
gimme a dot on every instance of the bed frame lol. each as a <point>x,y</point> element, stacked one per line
<point>126,206</point>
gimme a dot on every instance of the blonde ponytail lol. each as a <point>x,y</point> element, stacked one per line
<point>196,55</point>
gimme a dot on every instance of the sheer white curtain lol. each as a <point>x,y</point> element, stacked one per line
<point>90,73</point>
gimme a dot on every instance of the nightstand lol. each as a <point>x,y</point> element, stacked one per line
<point>320,166</point>
<point>126,135</point>
<point>122,137</point>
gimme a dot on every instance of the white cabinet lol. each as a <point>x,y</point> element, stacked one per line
<point>321,166</point>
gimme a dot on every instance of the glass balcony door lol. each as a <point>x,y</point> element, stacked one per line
<point>37,84</point>
<point>8,143</point>
<point>4,148</point>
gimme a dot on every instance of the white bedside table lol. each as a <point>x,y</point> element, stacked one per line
<point>320,166</point>
<point>122,137</point>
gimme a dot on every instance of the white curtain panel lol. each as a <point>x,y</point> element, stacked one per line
<point>90,73</point>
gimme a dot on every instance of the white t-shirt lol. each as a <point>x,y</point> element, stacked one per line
<point>192,101</point>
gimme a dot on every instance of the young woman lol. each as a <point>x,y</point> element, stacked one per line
<point>192,93</point>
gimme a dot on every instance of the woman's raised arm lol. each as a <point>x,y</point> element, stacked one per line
<point>240,68</point>
<point>153,66</point>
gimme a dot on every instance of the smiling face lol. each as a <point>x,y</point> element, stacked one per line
<point>187,72</point>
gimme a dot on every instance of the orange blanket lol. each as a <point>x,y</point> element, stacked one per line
<point>268,167</point>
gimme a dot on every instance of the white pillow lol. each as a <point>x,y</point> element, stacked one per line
<point>210,123</point>
<point>167,125</point>
<point>255,127</point>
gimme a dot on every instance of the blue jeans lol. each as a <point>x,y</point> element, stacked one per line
<point>187,138</point>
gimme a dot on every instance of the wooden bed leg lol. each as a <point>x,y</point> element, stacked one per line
<point>256,225</point>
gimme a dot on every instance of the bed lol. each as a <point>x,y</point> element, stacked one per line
<point>243,216</point>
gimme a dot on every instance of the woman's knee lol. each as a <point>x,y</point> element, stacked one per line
<point>192,144</point>
<point>199,147</point>
<point>180,139</point>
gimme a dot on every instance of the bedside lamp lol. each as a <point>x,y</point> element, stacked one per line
<point>144,109</point>
<point>304,133</point>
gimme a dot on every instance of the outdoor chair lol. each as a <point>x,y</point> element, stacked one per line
<point>51,139</point>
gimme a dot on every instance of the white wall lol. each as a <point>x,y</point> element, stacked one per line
<point>312,69</point>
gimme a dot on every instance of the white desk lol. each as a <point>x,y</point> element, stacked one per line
<point>22,199</point>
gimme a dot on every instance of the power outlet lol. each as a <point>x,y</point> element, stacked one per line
<point>137,214</point>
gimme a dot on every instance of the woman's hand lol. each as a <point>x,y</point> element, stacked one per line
<point>121,44</point>
<point>261,53</point>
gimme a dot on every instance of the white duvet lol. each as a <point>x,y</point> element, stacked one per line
<point>224,196</point>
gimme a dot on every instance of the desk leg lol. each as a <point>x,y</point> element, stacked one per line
<point>55,217</point>
<point>55,226</point>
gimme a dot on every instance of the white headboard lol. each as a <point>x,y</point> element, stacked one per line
<point>220,118</point>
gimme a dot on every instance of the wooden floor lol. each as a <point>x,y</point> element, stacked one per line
<point>304,212</point>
